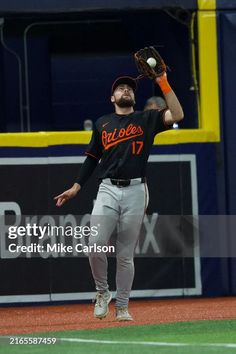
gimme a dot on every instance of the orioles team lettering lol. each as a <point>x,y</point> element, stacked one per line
<point>117,136</point>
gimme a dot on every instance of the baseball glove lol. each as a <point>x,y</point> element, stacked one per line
<point>144,68</point>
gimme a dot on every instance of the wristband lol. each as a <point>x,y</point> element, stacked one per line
<point>164,84</point>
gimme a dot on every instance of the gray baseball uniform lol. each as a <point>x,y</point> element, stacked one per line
<point>123,207</point>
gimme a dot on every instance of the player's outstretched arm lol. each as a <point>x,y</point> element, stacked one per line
<point>175,112</point>
<point>86,171</point>
<point>150,64</point>
<point>68,194</point>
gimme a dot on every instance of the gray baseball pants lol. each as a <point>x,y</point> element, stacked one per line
<point>124,208</point>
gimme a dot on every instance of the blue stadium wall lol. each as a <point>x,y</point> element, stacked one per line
<point>182,181</point>
<point>226,21</point>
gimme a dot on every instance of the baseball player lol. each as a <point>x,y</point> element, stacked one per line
<point>121,141</point>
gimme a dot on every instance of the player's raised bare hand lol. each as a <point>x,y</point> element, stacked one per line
<point>68,194</point>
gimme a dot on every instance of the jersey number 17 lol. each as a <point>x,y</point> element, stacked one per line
<point>136,147</point>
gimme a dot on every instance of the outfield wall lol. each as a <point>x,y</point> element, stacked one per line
<point>182,181</point>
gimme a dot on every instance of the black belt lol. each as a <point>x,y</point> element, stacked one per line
<point>126,182</point>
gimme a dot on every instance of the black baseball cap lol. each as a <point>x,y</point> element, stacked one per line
<point>128,80</point>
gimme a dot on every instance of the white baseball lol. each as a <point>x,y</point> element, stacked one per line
<point>152,62</point>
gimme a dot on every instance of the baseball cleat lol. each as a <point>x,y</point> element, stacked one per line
<point>122,314</point>
<point>102,301</point>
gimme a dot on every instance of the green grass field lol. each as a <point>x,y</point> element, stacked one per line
<point>203,337</point>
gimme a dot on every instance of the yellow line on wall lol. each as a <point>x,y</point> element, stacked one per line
<point>44,139</point>
<point>208,65</point>
<point>206,4</point>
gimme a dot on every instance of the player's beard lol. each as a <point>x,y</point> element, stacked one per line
<point>125,102</point>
